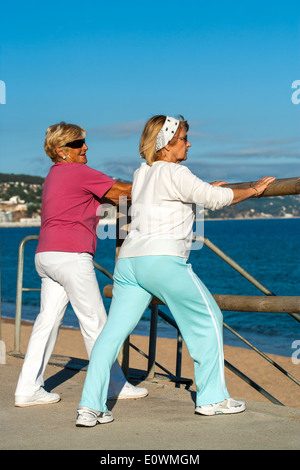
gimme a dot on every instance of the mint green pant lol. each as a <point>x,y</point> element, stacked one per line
<point>194,309</point>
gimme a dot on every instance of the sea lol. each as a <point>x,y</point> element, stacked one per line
<point>268,249</point>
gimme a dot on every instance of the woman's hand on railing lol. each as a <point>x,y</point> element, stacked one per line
<point>261,185</point>
<point>255,190</point>
<point>218,183</point>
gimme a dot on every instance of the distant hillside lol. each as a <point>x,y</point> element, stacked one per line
<point>29,189</point>
<point>28,179</point>
<point>280,206</point>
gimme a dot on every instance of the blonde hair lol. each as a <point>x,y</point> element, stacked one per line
<point>149,134</point>
<point>59,135</point>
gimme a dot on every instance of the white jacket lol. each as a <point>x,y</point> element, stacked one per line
<point>164,196</point>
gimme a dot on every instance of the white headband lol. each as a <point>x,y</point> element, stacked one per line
<point>166,133</point>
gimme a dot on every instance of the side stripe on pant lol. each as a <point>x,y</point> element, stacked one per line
<point>220,342</point>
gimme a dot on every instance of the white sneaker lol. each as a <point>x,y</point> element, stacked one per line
<point>227,406</point>
<point>129,391</point>
<point>87,417</point>
<point>41,397</point>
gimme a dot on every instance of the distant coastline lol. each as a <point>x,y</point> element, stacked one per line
<point>19,224</point>
<point>34,223</point>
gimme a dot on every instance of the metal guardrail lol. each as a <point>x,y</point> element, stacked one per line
<point>280,187</point>
<point>239,303</point>
<point>270,303</point>
<point>21,289</point>
<point>124,359</point>
<point>226,302</point>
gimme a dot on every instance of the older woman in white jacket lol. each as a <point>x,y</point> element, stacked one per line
<point>153,262</point>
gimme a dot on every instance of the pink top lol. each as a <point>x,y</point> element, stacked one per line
<point>71,208</point>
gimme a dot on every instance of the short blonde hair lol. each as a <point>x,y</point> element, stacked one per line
<point>59,135</point>
<point>149,134</point>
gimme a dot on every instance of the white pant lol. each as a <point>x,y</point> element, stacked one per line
<point>65,277</point>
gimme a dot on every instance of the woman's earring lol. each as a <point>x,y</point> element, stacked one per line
<point>64,157</point>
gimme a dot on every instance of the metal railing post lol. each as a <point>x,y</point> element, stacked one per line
<point>152,341</point>
<point>20,290</point>
<point>122,223</point>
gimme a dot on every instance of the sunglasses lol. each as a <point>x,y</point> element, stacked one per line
<point>184,138</point>
<point>75,144</point>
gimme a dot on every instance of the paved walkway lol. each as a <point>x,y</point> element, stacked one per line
<point>164,420</point>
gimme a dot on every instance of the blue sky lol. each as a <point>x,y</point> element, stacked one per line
<point>226,66</point>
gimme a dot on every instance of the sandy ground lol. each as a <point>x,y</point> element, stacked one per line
<point>276,383</point>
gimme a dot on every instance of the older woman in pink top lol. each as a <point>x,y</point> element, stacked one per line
<point>64,260</point>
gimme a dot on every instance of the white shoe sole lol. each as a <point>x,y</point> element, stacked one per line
<point>36,402</point>
<point>88,424</point>
<point>221,411</point>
